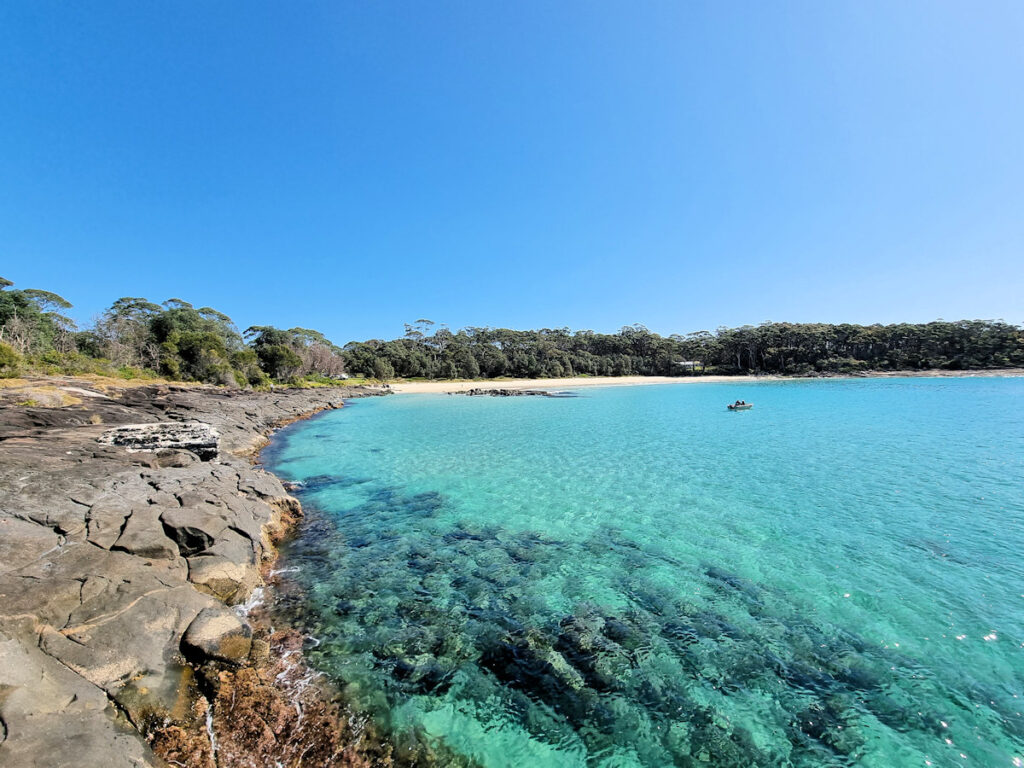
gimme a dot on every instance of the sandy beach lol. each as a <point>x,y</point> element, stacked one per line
<point>434,387</point>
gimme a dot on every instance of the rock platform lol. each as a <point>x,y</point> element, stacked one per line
<point>130,521</point>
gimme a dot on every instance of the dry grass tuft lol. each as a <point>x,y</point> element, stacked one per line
<point>41,396</point>
<point>107,384</point>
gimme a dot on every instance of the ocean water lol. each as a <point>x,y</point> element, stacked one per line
<point>638,577</point>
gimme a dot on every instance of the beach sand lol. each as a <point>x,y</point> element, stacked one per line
<point>423,387</point>
<point>435,387</point>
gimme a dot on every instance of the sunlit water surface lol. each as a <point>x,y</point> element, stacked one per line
<point>637,577</point>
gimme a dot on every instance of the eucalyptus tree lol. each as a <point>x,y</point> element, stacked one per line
<point>124,333</point>
<point>30,320</point>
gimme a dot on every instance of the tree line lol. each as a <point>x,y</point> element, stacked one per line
<point>135,337</point>
<point>779,348</point>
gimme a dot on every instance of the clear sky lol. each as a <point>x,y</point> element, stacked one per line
<point>350,166</point>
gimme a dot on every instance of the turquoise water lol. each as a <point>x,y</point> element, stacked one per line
<point>637,577</point>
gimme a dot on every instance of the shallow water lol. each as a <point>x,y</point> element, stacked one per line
<point>637,577</point>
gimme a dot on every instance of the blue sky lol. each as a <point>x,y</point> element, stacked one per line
<point>350,166</point>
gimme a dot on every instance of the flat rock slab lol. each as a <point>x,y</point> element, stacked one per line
<point>57,718</point>
<point>85,392</point>
<point>196,436</point>
<point>23,542</point>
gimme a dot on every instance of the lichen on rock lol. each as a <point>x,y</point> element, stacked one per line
<point>197,437</point>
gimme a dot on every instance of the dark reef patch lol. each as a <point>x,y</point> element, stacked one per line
<point>409,603</point>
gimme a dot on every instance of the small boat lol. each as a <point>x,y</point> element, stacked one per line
<point>740,406</point>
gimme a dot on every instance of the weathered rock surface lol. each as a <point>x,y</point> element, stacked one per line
<point>143,535</point>
<point>219,634</point>
<point>123,519</point>
<point>193,529</point>
<point>53,716</point>
<point>197,437</point>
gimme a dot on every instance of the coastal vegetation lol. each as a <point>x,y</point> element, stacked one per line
<point>780,348</point>
<point>136,338</point>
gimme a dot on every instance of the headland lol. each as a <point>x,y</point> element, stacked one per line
<point>135,533</point>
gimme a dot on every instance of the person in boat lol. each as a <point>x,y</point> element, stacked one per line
<point>739,402</point>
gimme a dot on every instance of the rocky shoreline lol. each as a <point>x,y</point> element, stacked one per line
<point>134,528</point>
<point>481,392</point>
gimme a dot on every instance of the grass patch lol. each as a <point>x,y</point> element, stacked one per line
<point>107,384</point>
<point>312,382</point>
<point>45,396</point>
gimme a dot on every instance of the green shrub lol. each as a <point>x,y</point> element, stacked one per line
<point>75,364</point>
<point>384,371</point>
<point>170,367</point>
<point>10,362</point>
<point>840,365</point>
<point>131,372</point>
<point>279,361</point>
<point>319,380</point>
<point>247,370</point>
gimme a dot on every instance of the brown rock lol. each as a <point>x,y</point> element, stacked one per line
<point>228,570</point>
<point>174,457</point>
<point>217,634</point>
